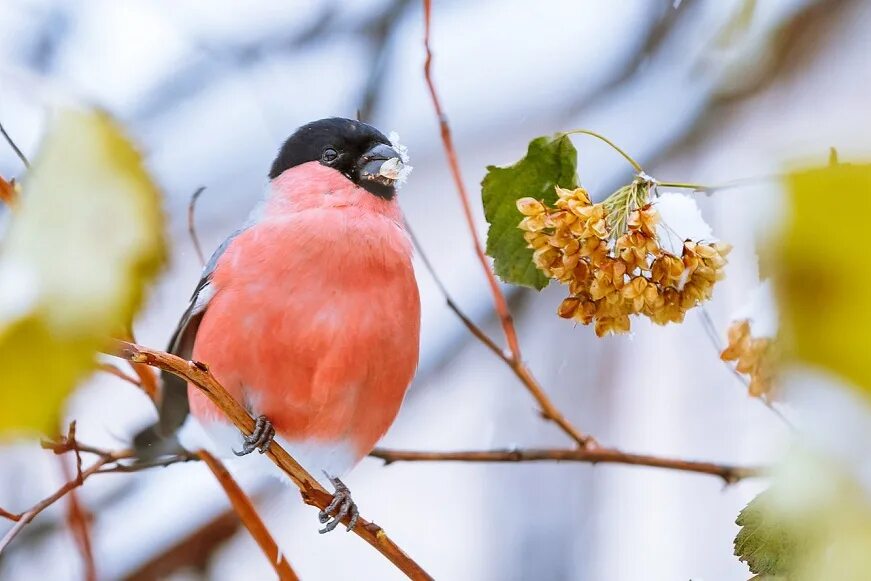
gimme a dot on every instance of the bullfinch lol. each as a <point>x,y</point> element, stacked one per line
<point>309,315</point>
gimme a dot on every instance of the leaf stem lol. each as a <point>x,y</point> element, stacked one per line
<point>635,165</point>
<point>688,186</point>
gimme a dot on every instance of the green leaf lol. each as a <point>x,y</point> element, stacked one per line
<point>821,278</point>
<point>85,239</point>
<point>549,162</point>
<point>763,542</point>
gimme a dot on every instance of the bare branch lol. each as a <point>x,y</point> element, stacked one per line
<point>191,552</point>
<point>312,492</point>
<point>192,228</point>
<point>79,520</point>
<point>14,147</point>
<point>730,474</point>
<point>513,358</point>
<point>248,515</point>
<point>24,518</point>
<point>113,370</point>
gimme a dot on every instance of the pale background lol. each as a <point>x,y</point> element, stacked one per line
<point>209,90</point>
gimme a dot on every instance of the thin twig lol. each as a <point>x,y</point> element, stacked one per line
<point>470,325</point>
<point>447,141</point>
<point>27,516</point>
<point>79,520</point>
<point>191,552</point>
<point>113,370</point>
<point>635,165</point>
<point>513,357</point>
<point>729,474</point>
<point>192,227</point>
<point>14,147</point>
<point>248,515</point>
<point>146,375</point>
<point>312,492</point>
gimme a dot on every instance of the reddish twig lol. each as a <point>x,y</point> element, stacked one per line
<point>146,375</point>
<point>147,380</point>
<point>79,519</point>
<point>24,518</point>
<point>248,515</point>
<point>448,143</point>
<point>192,227</point>
<point>513,358</point>
<point>191,552</point>
<point>113,370</point>
<point>730,474</point>
<point>312,492</point>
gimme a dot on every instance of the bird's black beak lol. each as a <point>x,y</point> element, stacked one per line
<point>378,170</point>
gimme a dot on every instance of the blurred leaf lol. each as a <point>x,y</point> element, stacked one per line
<point>823,279</point>
<point>822,502</point>
<point>549,161</point>
<point>763,542</point>
<point>85,240</point>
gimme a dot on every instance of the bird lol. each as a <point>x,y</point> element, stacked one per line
<point>309,314</point>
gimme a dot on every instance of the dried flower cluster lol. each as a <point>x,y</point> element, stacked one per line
<point>755,357</point>
<point>609,256</point>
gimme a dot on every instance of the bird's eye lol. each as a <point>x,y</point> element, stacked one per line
<point>329,155</point>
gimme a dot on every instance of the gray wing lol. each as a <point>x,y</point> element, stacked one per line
<point>174,406</point>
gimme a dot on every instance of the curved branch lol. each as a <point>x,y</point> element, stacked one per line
<point>513,357</point>
<point>312,492</point>
<point>244,508</point>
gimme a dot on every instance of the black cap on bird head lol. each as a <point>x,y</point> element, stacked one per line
<point>357,150</point>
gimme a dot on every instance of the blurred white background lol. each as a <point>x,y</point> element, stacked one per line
<point>209,91</point>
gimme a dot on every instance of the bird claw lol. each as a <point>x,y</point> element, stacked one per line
<point>260,439</point>
<point>341,506</point>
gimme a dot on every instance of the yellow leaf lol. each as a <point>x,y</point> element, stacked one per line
<point>86,239</point>
<point>823,274</point>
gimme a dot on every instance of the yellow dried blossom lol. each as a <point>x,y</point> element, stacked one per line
<point>754,357</point>
<point>666,270</point>
<point>644,220</point>
<point>530,207</point>
<point>609,257</point>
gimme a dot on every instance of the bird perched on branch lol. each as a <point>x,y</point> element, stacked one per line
<point>309,315</point>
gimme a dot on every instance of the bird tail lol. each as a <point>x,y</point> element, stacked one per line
<point>161,438</point>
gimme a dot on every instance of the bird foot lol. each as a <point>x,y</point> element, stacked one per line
<point>260,438</point>
<point>341,506</point>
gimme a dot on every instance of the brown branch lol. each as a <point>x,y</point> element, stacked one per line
<point>248,515</point>
<point>79,521</point>
<point>147,377</point>
<point>191,552</point>
<point>192,227</point>
<point>113,370</point>
<point>312,492</point>
<point>513,358</point>
<point>730,474</point>
<point>27,516</point>
<point>448,144</point>
<point>147,380</point>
